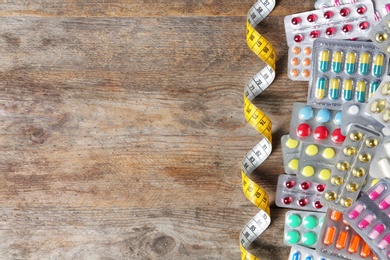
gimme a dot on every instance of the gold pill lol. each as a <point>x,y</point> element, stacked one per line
<point>352,187</point>
<point>358,172</point>
<point>364,157</point>
<point>346,202</point>
<point>330,195</point>
<point>370,143</point>
<point>343,166</point>
<point>381,37</point>
<point>378,106</point>
<point>349,150</point>
<point>355,136</point>
<point>337,180</point>
<point>386,89</point>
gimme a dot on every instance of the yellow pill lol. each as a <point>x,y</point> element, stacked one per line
<point>293,164</point>
<point>346,202</point>
<point>374,181</point>
<point>291,143</point>
<point>330,195</point>
<point>328,153</point>
<point>312,150</point>
<point>308,171</point>
<point>324,174</point>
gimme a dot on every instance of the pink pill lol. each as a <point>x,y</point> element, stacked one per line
<point>384,242</point>
<point>376,192</point>
<point>384,204</point>
<point>356,211</point>
<point>376,231</point>
<point>366,221</point>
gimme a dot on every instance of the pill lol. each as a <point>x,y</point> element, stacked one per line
<point>296,20</point>
<point>314,34</point>
<point>330,195</point>
<point>364,63</point>
<point>376,231</point>
<point>334,88</point>
<point>321,132</point>
<point>293,164</point>
<point>306,113</point>
<point>294,72</point>
<point>296,256</point>
<point>378,106</point>
<point>373,87</point>
<point>347,89</point>
<point>354,244</point>
<point>330,31</point>
<point>306,62</point>
<point>323,115</point>
<point>320,90</point>
<point>337,136</point>
<point>303,202</point>
<point>346,202</point>
<point>354,110</point>
<point>329,235</point>
<point>324,60</point>
<point>311,18</point>
<point>364,25</point>
<point>361,91</point>
<point>384,204</point>
<point>324,174</point>
<point>364,157</point>
<point>386,116</point>
<point>347,28</point>
<point>305,73</point>
<point>335,215</point>
<point>298,38</point>
<point>317,204</point>
<point>376,192</point>
<point>309,257</point>
<point>311,150</point>
<point>337,62</point>
<point>384,166</point>
<point>384,242</point>
<point>294,220</point>
<point>328,15</point>
<point>367,220</point>
<point>305,185</point>
<point>291,143</point>
<point>293,237</point>
<point>358,173</point>
<point>361,9</point>
<point>365,251</point>
<point>303,130</point>
<point>338,118</point>
<point>342,240</point>
<point>320,187</point>
<point>355,212</point>
<point>308,171</point>
<point>287,200</point>
<point>296,50</point>
<point>328,153</point>
<point>352,186</point>
<point>307,50</point>
<point>309,238</point>
<point>310,222</point>
<point>295,61</point>
<point>378,64</point>
<point>289,184</point>
<point>387,148</point>
<point>350,64</point>
<point>381,37</point>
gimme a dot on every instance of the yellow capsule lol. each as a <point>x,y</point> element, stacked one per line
<point>336,180</point>
<point>349,150</point>
<point>342,166</point>
<point>346,202</point>
<point>355,136</point>
<point>364,157</point>
<point>358,173</point>
<point>378,106</point>
<point>330,195</point>
<point>370,143</point>
<point>386,89</point>
<point>352,187</point>
<point>386,115</point>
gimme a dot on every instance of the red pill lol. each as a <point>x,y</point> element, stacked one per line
<point>296,21</point>
<point>361,9</point>
<point>290,184</point>
<point>364,25</point>
<point>311,18</point>
<point>298,38</point>
<point>317,205</point>
<point>314,34</point>
<point>287,200</point>
<point>328,15</point>
<point>305,185</point>
<point>303,130</point>
<point>347,28</point>
<point>320,187</point>
<point>337,136</point>
<point>321,133</point>
<point>302,202</point>
<point>330,31</point>
<point>344,12</point>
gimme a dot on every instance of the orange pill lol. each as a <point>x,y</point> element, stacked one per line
<point>306,62</point>
<point>335,215</point>
<point>305,73</point>
<point>307,50</point>
<point>342,240</point>
<point>366,251</point>
<point>329,236</point>
<point>354,244</point>
<point>295,61</point>
<point>374,257</point>
<point>296,50</point>
<point>294,72</point>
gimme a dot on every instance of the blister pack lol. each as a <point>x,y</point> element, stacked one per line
<point>294,194</point>
<point>351,168</point>
<point>304,253</point>
<point>317,126</point>
<point>339,241</point>
<point>369,216</point>
<point>329,3</point>
<point>339,22</point>
<point>356,112</point>
<point>380,34</point>
<point>316,162</point>
<point>382,8</point>
<point>302,228</point>
<point>380,165</point>
<point>291,150</point>
<point>379,105</point>
<point>344,71</point>
<point>299,61</point>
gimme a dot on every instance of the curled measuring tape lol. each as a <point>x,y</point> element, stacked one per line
<point>259,120</point>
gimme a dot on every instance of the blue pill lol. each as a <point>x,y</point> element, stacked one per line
<point>338,118</point>
<point>306,113</point>
<point>296,256</point>
<point>323,115</point>
<point>309,257</point>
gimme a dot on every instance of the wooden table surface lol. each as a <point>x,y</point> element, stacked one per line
<point>123,131</point>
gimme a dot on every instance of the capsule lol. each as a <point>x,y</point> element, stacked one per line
<point>324,60</point>
<point>334,88</point>
<point>350,65</point>
<point>320,91</point>
<point>378,64</point>
<point>309,257</point>
<point>373,87</point>
<point>364,63</point>
<point>347,89</point>
<point>342,240</point>
<point>361,91</point>
<point>354,244</point>
<point>336,65</point>
<point>296,256</point>
<point>329,236</point>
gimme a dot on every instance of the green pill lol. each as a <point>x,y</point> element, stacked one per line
<point>310,222</point>
<point>294,220</point>
<point>309,238</point>
<point>293,237</point>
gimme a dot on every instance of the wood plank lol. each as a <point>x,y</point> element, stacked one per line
<point>122,137</point>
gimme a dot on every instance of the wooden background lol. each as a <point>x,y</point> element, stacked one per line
<point>122,128</point>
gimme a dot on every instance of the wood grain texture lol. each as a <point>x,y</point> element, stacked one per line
<point>122,133</point>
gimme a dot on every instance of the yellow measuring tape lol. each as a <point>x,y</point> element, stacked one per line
<point>256,118</point>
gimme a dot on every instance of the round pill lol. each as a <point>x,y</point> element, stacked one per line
<point>291,143</point>
<point>337,136</point>
<point>337,118</point>
<point>311,150</point>
<point>294,72</point>
<point>295,61</point>
<point>306,113</point>
<point>308,171</point>
<point>307,51</point>
<point>321,133</point>
<point>303,130</point>
<point>306,62</point>
<point>328,153</point>
<point>293,237</point>
<point>354,110</point>
<point>310,222</point>
<point>324,174</point>
<point>309,238</point>
<point>305,73</point>
<point>323,115</point>
<point>294,220</point>
<point>293,164</point>
<point>296,50</point>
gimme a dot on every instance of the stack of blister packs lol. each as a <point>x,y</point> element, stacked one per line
<point>337,153</point>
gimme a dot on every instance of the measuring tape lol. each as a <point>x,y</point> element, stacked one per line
<point>259,120</point>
